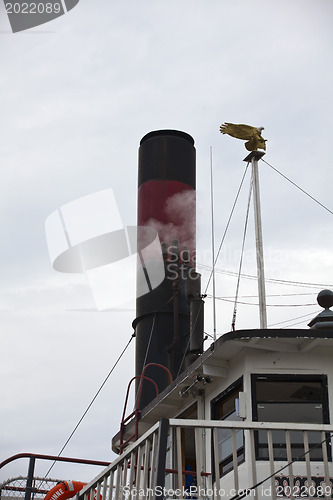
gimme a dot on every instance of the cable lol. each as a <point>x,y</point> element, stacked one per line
<point>309,315</point>
<point>217,256</point>
<point>269,295</point>
<point>91,402</point>
<point>269,280</point>
<point>268,305</point>
<point>298,187</point>
<point>209,335</point>
<point>246,276</point>
<point>233,322</point>
<point>228,223</point>
<point>294,324</point>
<point>298,283</point>
<point>281,282</point>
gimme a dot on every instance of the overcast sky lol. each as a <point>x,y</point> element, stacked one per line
<point>77,95</point>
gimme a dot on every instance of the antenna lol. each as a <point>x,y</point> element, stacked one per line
<point>253,158</point>
<point>213,243</point>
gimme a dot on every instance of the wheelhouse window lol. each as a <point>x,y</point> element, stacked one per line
<point>293,399</point>
<point>224,407</point>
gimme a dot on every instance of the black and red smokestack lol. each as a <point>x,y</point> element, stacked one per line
<point>166,186</point>
<point>169,319</point>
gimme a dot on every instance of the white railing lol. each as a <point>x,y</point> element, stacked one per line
<point>230,460</point>
<point>134,471</point>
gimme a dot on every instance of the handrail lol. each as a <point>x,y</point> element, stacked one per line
<point>53,457</point>
<point>159,366</point>
<point>29,489</point>
<point>123,419</point>
<point>119,460</point>
<point>137,466</point>
<point>136,411</point>
<point>229,424</point>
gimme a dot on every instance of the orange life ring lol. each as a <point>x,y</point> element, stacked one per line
<point>62,491</point>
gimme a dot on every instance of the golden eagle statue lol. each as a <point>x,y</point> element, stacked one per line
<point>250,134</point>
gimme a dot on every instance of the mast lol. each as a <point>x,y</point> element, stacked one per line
<point>253,157</point>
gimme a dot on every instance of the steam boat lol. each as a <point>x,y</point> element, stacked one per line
<point>247,417</point>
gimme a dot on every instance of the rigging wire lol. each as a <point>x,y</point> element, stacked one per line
<point>302,284</point>
<point>217,256</point>
<point>295,283</point>
<point>245,493</point>
<point>228,223</point>
<point>308,316</point>
<point>209,335</point>
<point>269,295</point>
<point>271,305</point>
<point>294,324</point>
<point>233,323</point>
<point>255,304</point>
<point>270,280</point>
<point>298,187</point>
<point>91,402</point>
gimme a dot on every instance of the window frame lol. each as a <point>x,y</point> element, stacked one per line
<point>236,386</point>
<point>225,394</point>
<point>283,378</point>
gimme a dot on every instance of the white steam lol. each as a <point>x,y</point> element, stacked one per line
<point>180,211</point>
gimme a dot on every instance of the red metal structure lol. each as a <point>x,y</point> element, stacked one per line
<point>136,412</point>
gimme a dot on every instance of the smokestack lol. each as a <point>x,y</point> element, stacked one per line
<point>166,202</point>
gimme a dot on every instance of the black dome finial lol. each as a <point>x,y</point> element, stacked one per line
<point>325,299</point>
<point>324,320</point>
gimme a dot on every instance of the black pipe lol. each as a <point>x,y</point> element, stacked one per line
<point>30,478</point>
<point>166,202</point>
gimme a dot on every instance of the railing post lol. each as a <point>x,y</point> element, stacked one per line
<point>30,478</point>
<point>161,457</point>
